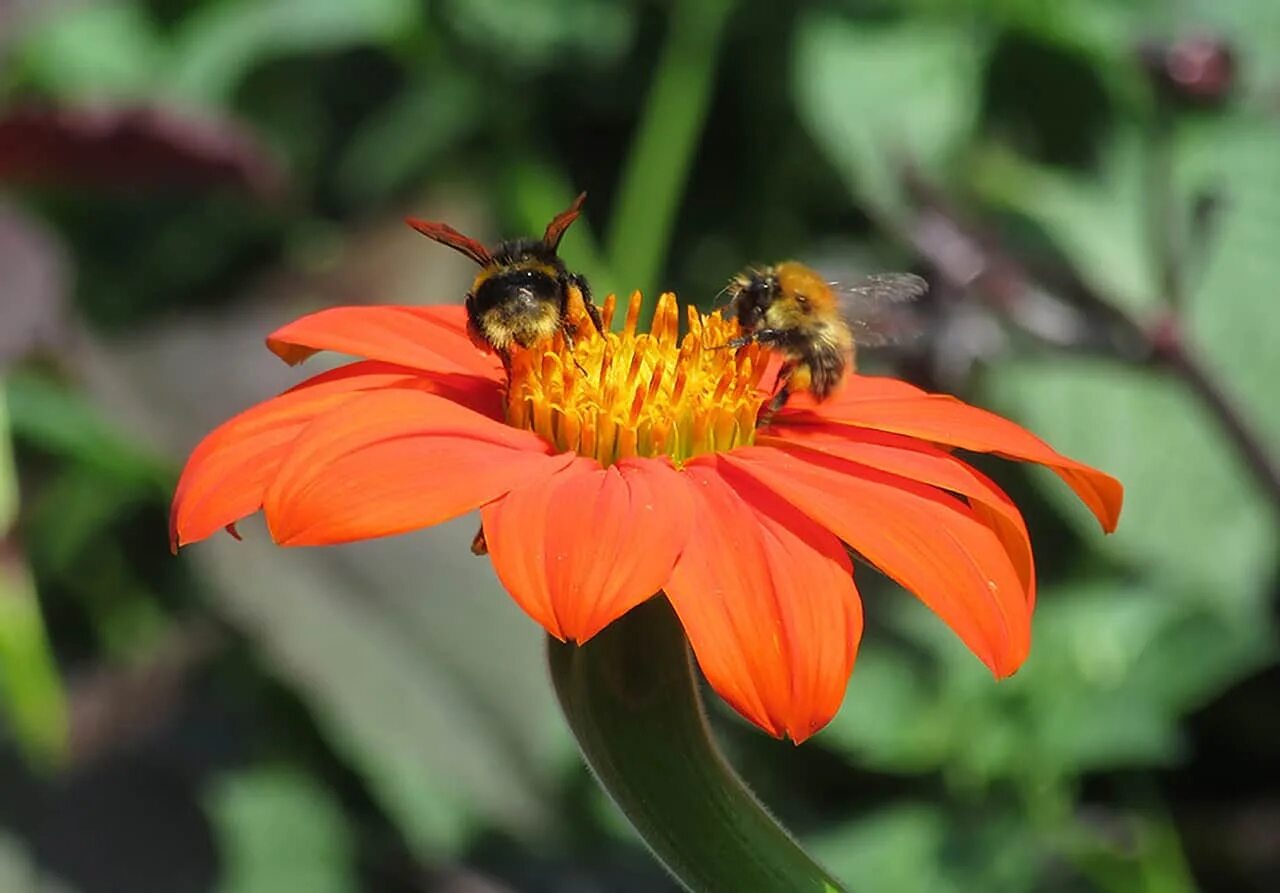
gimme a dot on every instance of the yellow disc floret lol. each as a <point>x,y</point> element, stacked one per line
<point>640,394</point>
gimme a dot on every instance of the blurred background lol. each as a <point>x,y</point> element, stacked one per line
<point>1092,188</point>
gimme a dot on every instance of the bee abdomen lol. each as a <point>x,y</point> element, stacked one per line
<point>826,366</point>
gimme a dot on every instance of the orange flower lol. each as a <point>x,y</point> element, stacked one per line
<point>633,465</point>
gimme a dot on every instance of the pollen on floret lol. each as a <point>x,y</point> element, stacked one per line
<point>631,393</point>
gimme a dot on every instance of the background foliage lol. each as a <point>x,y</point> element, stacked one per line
<point>1093,189</point>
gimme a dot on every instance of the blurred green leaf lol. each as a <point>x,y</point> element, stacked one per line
<point>60,421</point>
<point>93,50</point>
<point>879,96</point>
<point>911,847</point>
<point>406,135</point>
<point>899,848</point>
<point>1191,512</point>
<point>72,510</point>
<point>1233,315</point>
<point>1099,221</point>
<point>533,34</point>
<point>413,676</point>
<point>19,872</point>
<point>34,701</point>
<point>220,43</point>
<point>279,830</point>
<point>1191,509</point>
<point>1111,670</point>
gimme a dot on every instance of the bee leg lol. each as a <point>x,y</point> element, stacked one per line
<point>588,303</point>
<point>566,329</point>
<point>479,545</point>
<point>770,337</point>
<point>779,399</point>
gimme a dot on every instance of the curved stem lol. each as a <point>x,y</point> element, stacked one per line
<point>632,701</point>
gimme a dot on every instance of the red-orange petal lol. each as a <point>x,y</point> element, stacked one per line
<point>767,599</point>
<point>228,472</point>
<point>921,461</point>
<point>932,543</point>
<point>889,405</point>
<point>433,339</point>
<point>393,461</point>
<point>580,548</point>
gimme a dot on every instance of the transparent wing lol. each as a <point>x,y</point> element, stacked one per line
<point>875,307</point>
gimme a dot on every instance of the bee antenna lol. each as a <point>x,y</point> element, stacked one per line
<point>447,235</point>
<point>561,222</point>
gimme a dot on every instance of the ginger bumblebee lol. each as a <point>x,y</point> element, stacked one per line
<point>523,292</point>
<point>813,323</point>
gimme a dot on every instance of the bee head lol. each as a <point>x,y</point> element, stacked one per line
<point>751,294</point>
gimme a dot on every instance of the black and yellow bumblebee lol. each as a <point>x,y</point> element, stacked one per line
<point>813,323</point>
<point>523,292</point>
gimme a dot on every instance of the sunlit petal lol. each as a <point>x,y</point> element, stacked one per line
<point>394,461</point>
<point>767,599</point>
<point>430,338</point>
<point>579,549</point>
<point>228,472</point>
<point>927,540</point>
<point>888,405</point>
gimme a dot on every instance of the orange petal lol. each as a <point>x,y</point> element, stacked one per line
<point>394,461</point>
<point>932,543</point>
<point>888,405</point>
<point>430,338</point>
<point>579,549</point>
<point>922,461</point>
<point>768,602</point>
<point>227,473</point>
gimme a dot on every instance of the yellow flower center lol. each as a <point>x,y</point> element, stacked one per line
<point>640,394</point>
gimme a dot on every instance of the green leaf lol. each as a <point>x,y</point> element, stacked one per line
<point>280,830</point>
<point>30,687</point>
<point>1098,221</point>
<point>1191,509</point>
<point>220,43</point>
<point>899,848</point>
<point>1191,512</point>
<point>19,872</point>
<point>93,50</point>
<point>876,96</point>
<point>57,420</point>
<point>1232,313</point>
<point>534,35</point>
<point>1111,670</point>
<point>402,139</point>
<point>428,683</point>
<point>35,708</point>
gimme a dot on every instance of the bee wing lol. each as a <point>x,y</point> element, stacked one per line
<point>447,235</point>
<point>562,221</point>
<point>873,307</point>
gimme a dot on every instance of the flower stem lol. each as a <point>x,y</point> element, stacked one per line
<point>632,701</point>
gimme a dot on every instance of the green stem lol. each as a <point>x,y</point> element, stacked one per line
<point>632,701</point>
<point>662,152</point>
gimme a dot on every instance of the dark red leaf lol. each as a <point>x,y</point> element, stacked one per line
<point>132,146</point>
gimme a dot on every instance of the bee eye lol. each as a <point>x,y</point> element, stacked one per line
<point>802,299</point>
